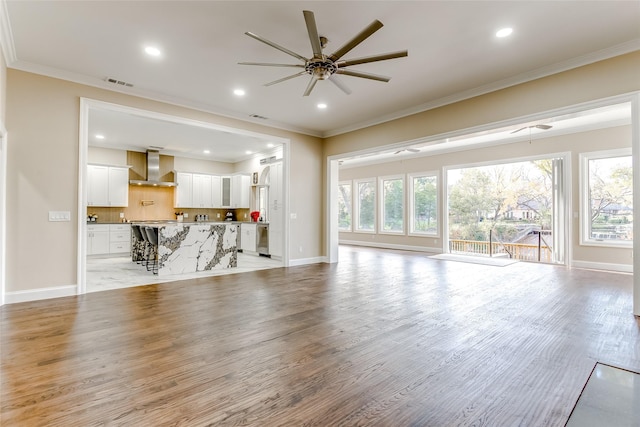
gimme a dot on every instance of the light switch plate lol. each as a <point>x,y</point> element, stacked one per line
<point>59,216</point>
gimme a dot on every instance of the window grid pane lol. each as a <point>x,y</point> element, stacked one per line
<point>344,207</point>
<point>425,205</point>
<point>611,199</point>
<point>393,205</point>
<point>366,206</point>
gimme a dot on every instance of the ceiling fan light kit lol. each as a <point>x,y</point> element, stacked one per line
<point>323,67</point>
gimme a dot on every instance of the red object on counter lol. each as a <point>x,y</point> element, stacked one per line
<point>254,216</point>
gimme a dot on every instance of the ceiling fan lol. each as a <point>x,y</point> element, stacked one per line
<point>543,127</point>
<point>327,67</point>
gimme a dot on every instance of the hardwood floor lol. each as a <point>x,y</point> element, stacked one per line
<point>383,338</point>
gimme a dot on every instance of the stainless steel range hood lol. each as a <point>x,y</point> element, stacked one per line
<point>153,172</point>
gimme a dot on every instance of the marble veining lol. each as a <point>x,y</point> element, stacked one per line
<point>184,248</point>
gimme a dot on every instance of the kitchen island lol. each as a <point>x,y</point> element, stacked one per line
<point>196,246</point>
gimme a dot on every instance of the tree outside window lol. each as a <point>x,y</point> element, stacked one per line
<point>344,206</point>
<point>424,204</point>
<point>392,204</point>
<point>609,197</point>
<point>366,205</point>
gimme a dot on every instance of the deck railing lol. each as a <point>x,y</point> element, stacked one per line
<point>521,251</point>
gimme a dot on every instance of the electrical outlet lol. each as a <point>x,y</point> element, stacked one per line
<point>121,215</point>
<point>218,215</point>
<point>300,249</point>
<point>186,215</point>
<point>245,216</point>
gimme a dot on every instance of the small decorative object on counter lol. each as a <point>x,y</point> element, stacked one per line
<point>254,216</point>
<point>92,218</point>
<point>180,216</point>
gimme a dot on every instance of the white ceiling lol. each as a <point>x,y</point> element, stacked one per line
<point>453,53</point>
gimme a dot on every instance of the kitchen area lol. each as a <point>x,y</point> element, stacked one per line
<point>203,217</point>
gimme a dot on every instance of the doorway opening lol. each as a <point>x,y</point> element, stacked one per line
<point>508,210</point>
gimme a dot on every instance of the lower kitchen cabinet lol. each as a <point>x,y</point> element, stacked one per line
<point>119,239</point>
<point>248,238</point>
<point>107,239</point>
<point>97,239</point>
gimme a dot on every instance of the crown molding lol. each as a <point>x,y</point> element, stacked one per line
<point>590,58</point>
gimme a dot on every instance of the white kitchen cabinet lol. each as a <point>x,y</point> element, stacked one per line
<point>119,238</point>
<point>97,185</point>
<point>225,188</point>
<point>240,187</point>
<point>276,209</point>
<point>98,239</point>
<point>183,195</point>
<point>202,192</point>
<point>107,186</point>
<point>216,192</point>
<point>248,238</point>
<point>118,187</point>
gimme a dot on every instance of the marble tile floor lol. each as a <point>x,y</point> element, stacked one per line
<point>120,272</point>
<point>610,398</point>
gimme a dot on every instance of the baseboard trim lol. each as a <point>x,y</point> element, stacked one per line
<point>306,261</point>
<point>620,268</point>
<point>392,246</point>
<point>39,294</point>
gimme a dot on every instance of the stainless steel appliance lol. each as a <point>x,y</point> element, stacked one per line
<point>262,235</point>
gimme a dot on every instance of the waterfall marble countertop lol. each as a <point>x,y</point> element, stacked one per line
<point>188,247</point>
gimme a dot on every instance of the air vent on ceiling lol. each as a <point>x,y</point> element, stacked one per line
<point>117,82</point>
<point>257,116</point>
<point>155,147</point>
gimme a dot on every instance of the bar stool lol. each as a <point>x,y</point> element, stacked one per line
<point>152,237</point>
<point>139,245</point>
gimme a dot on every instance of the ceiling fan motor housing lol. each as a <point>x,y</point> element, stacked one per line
<point>322,69</point>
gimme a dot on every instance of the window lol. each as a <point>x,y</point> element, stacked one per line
<point>392,204</point>
<point>423,203</point>
<point>606,179</point>
<point>344,206</point>
<point>366,205</point>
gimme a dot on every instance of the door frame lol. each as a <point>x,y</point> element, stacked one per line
<point>563,228</point>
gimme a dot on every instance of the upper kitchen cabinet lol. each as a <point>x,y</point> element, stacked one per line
<point>225,188</point>
<point>240,189</point>
<point>184,191</point>
<point>107,186</point>
<point>202,192</point>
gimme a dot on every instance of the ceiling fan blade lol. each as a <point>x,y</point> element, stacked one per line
<point>363,75</point>
<point>285,78</point>
<point>359,38</point>
<point>312,29</point>
<point>516,131</point>
<point>373,58</point>
<point>544,127</point>
<point>413,150</point>
<point>310,86</point>
<point>277,46</point>
<point>270,64</point>
<point>338,82</point>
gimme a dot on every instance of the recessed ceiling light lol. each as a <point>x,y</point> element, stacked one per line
<point>248,152</point>
<point>152,51</point>
<point>99,136</point>
<point>239,92</point>
<point>322,106</point>
<point>206,151</point>
<point>504,32</point>
<point>270,145</point>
